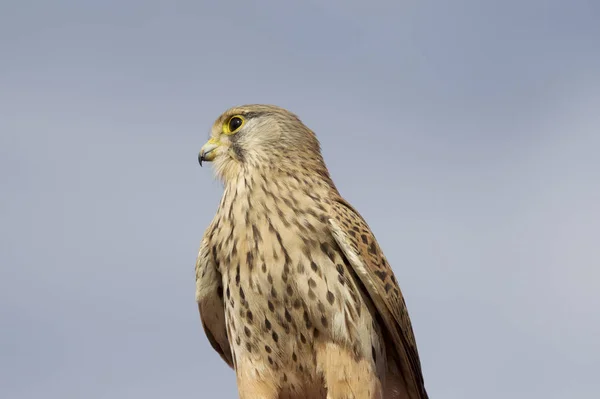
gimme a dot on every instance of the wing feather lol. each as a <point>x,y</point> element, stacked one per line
<point>209,295</point>
<point>360,247</point>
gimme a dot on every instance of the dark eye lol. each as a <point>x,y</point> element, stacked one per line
<point>235,123</point>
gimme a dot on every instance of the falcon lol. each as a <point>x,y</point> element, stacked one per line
<point>293,290</point>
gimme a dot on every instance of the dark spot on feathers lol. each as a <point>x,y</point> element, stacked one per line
<point>283,218</point>
<point>256,233</point>
<point>286,272</point>
<point>330,297</point>
<point>279,240</point>
<point>381,274</point>
<point>326,248</point>
<point>372,248</point>
<point>307,320</point>
<point>356,350</point>
<point>287,202</point>
<point>314,266</point>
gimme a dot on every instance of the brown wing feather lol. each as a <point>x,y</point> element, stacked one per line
<point>209,295</point>
<point>359,245</point>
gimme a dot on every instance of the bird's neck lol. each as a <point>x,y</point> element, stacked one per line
<point>259,194</point>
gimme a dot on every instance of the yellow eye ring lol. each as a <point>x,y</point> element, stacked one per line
<point>234,124</point>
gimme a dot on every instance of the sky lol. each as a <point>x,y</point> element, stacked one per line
<point>465,132</point>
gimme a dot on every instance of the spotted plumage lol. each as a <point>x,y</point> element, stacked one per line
<point>293,290</point>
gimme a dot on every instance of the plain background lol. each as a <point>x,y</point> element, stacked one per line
<point>466,132</point>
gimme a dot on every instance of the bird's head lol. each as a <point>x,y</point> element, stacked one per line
<point>254,137</point>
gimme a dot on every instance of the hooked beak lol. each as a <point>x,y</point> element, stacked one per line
<point>207,152</point>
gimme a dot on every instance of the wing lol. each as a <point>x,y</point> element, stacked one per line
<point>209,295</point>
<point>358,243</point>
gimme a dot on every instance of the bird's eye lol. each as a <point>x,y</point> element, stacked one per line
<point>234,124</point>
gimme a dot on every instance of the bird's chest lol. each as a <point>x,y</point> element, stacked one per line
<point>280,285</point>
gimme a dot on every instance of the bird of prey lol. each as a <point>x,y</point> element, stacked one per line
<point>293,290</point>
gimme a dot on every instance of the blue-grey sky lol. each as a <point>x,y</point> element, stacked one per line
<point>466,132</point>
